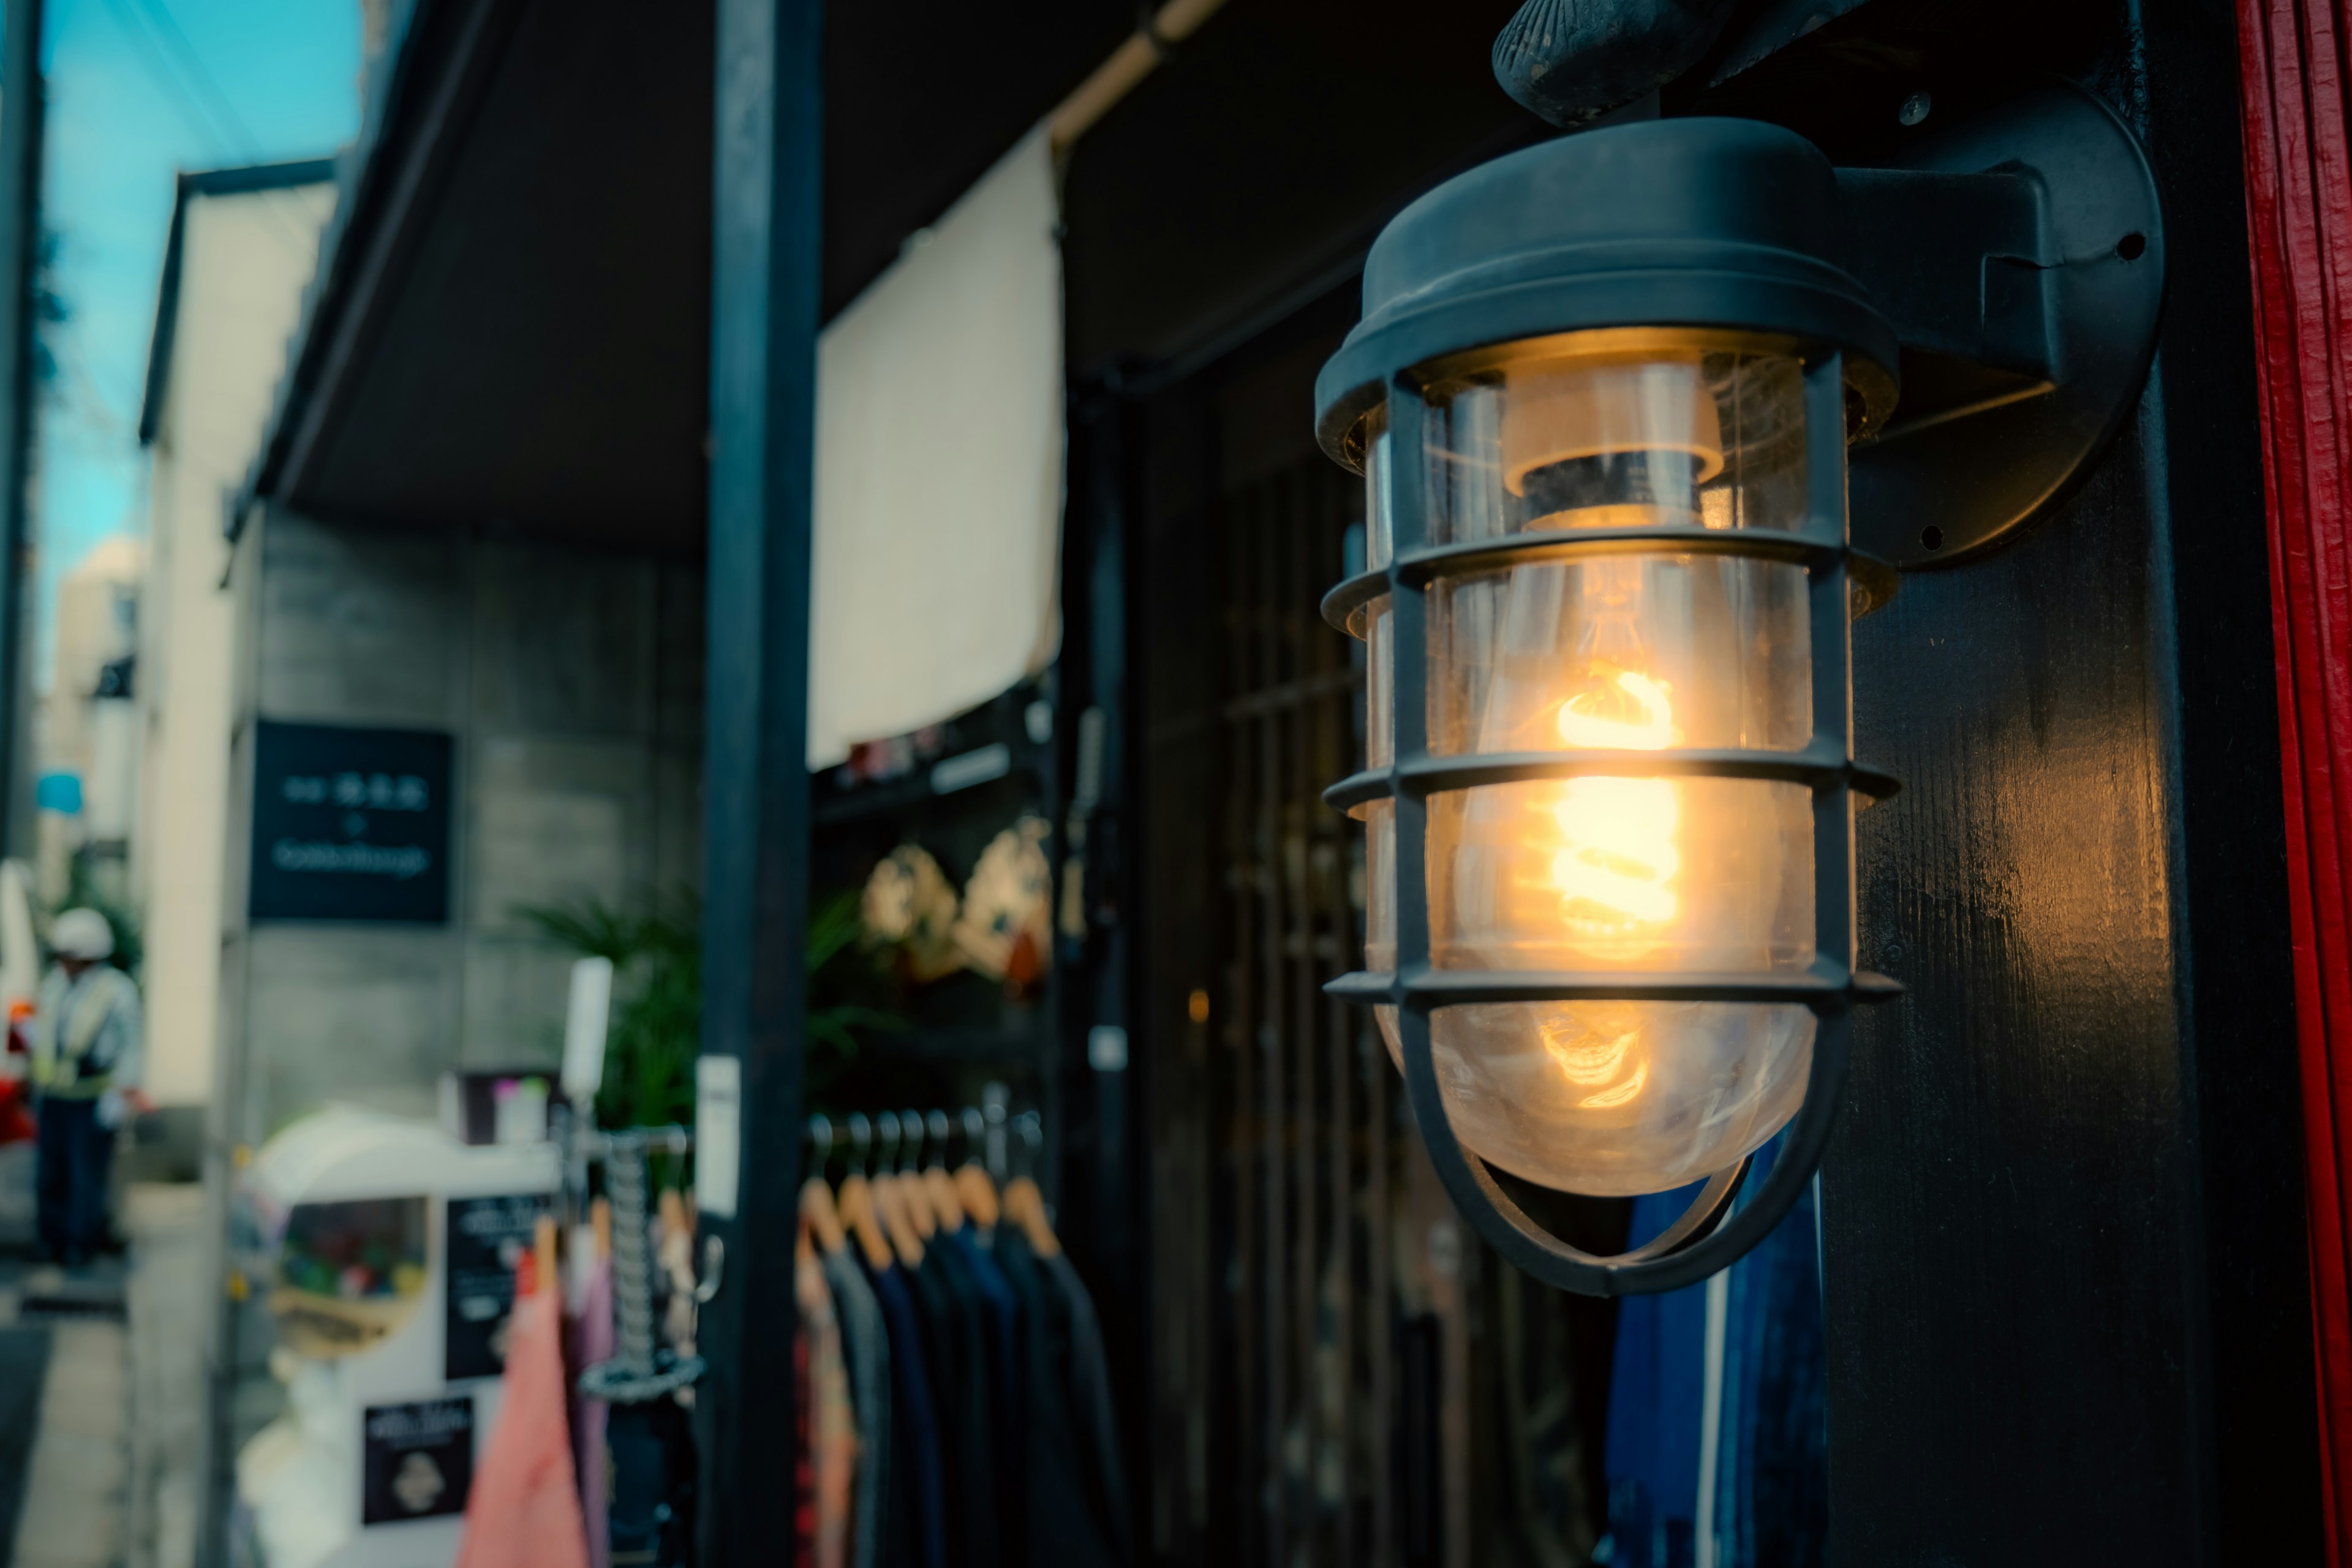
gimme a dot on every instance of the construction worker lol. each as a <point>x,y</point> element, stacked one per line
<point>87,1046</point>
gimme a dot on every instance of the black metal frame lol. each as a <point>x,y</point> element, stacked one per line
<point>1712,1233</point>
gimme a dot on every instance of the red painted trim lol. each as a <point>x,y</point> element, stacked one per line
<point>2299,220</point>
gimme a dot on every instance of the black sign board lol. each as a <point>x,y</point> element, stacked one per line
<point>485,1245</point>
<point>350,825</point>
<point>419,1460</point>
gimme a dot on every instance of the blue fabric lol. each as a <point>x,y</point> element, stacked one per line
<point>1655,1397</point>
<point>1008,1386</point>
<point>1771,1505</point>
<point>865,1346</point>
<point>69,1177</point>
<point>914,1429</point>
<point>1771,1462</point>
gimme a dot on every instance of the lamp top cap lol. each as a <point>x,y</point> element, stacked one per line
<point>1696,222</point>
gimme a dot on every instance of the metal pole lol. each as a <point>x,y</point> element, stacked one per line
<point>21,115</point>
<point>767,263</point>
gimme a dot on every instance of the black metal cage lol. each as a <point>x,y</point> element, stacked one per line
<point>1617,228</point>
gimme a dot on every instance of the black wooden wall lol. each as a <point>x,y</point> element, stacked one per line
<point>2068,1311</point>
<point>2064,1277</point>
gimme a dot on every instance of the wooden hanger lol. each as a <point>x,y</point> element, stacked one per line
<point>1025,1206</point>
<point>855,1204</point>
<point>977,1192</point>
<point>542,1252</point>
<point>937,1184</point>
<point>915,1195</point>
<point>912,1190</point>
<point>890,1202</point>
<point>818,1214</point>
<point>947,1205</point>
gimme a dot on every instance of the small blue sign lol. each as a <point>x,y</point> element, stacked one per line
<point>59,792</point>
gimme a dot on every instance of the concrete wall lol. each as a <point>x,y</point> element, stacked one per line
<point>244,259</point>
<point>573,682</point>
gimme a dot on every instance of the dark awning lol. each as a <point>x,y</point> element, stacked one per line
<point>510,324</point>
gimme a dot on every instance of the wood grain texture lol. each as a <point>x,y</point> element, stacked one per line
<point>2066,1281</point>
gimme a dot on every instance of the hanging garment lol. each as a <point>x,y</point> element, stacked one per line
<point>865,1347</point>
<point>1767,1504</point>
<point>524,1511</point>
<point>1655,1404</point>
<point>1008,1388</point>
<point>1771,1505</point>
<point>1090,1398</point>
<point>594,1342</point>
<point>831,1440</point>
<point>969,1417</point>
<point>803,1451</point>
<point>915,1530</point>
<point>650,1449</point>
<point>1069,1519</point>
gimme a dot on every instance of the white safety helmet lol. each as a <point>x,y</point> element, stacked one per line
<point>82,933</point>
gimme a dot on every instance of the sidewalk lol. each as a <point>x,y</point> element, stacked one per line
<point>110,1480</point>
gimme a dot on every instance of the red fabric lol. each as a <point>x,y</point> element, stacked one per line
<point>2299,215</point>
<point>15,1117</point>
<point>804,1460</point>
<point>525,1508</point>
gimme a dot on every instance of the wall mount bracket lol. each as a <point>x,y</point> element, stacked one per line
<point>2019,254</point>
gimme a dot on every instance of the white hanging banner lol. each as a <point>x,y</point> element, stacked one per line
<point>938,469</point>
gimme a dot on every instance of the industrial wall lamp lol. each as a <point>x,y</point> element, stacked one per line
<point>1603,396</point>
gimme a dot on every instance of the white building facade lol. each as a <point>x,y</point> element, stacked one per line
<point>244,245</point>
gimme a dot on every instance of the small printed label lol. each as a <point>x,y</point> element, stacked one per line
<point>718,1134</point>
<point>419,1460</point>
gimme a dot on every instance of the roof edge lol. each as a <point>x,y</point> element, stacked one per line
<point>242,180</point>
<point>421,87</point>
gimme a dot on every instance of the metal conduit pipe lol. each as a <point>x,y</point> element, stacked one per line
<point>1127,64</point>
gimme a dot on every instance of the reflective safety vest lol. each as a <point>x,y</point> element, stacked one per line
<point>63,1037</point>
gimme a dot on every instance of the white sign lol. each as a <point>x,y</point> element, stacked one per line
<point>585,1023</point>
<point>718,1134</point>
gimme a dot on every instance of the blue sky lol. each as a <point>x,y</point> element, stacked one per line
<point>139,90</point>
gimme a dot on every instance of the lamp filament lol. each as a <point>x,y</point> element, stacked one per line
<point>1620,858</point>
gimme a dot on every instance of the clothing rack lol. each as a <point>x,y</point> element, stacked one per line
<point>642,1369</point>
<point>991,1133</point>
<point>970,1421</point>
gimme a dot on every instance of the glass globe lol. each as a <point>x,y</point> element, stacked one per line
<point>1639,651</point>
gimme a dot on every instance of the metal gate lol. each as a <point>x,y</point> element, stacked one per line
<point>1341,1375</point>
<point>1308,1165</point>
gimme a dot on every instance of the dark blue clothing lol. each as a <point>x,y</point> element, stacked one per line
<point>69,1177</point>
<point>1074,1522</point>
<point>918,1504</point>
<point>1008,1389</point>
<point>1772,1474</point>
<point>956,1315</point>
<point>1771,1456</point>
<point>865,1348</point>
<point>1090,1395</point>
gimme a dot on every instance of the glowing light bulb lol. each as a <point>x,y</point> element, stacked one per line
<point>1619,854</point>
